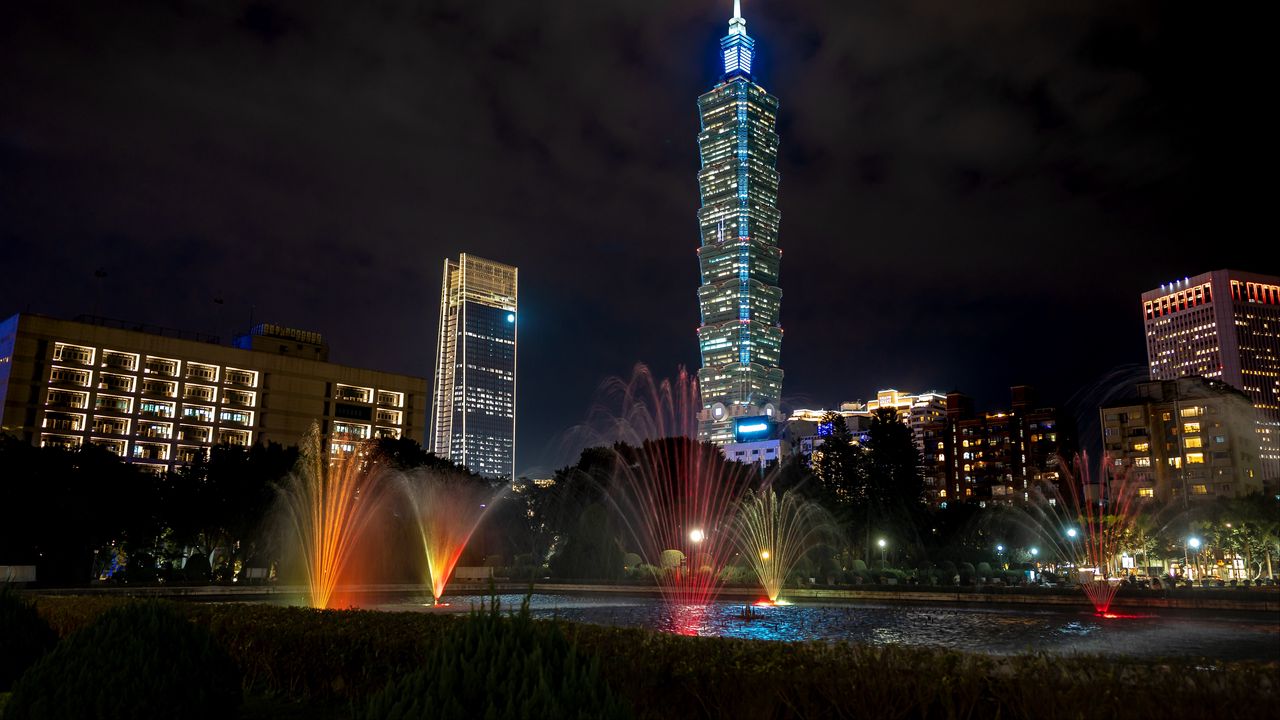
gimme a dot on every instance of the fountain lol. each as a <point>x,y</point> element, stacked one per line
<point>447,507</point>
<point>1106,518</point>
<point>774,534</point>
<point>329,504</point>
<point>1087,525</point>
<point>671,492</point>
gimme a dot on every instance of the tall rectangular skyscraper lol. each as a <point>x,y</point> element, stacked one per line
<point>740,337</point>
<point>1223,324</point>
<point>474,415</point>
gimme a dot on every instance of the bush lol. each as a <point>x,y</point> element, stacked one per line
<point>490,666</point>
<point>25,635</point>
<point>142,660</point>
<point>197,568</point>
<point>670,559</point>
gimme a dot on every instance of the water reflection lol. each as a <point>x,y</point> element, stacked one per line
<point>998,631</point>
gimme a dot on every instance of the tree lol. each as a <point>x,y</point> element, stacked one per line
<point>838,466</point>
<point>593,550</point>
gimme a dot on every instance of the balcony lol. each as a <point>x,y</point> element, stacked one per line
<point>242,378</point>
<point>235,397</point>
<point>151,388</point>
<point>110,427</point>
<point>195,434</point>
<point>164,368</point>
<point>67,402</point>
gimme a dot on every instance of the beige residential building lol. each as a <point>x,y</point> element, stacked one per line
<point>1185,439</point>
<point>160,398</point>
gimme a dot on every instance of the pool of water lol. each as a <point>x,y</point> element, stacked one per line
<point>993,630</point>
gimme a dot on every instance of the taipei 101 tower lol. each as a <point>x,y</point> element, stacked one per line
<point>740,337</point>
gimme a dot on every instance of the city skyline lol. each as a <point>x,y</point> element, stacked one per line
<point>971,254</point>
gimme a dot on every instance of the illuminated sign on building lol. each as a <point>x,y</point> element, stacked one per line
<point>753,428</point>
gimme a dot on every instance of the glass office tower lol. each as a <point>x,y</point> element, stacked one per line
<point>474,420</point>
<point>740,338</point>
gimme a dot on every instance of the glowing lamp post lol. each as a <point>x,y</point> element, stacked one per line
<point>881,542</point>
<point>1000,556</point>
<point>764,554</point>
<point>696,536</point>
<point>1192,543</point>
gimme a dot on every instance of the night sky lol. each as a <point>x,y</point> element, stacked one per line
<point>973,194</point>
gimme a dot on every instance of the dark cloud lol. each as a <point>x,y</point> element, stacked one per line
<point>973,195</point>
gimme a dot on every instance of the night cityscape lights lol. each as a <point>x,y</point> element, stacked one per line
<point>977,196</point>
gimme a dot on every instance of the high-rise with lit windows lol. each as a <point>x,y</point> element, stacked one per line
<point>1224,325</point>
<point>162,398</point>
<point>740,337</point>
<point>474,418</point>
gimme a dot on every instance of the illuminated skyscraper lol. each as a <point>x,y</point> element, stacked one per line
<point>474,420</point>
<point>1223,324</point>
<point>740,337</point>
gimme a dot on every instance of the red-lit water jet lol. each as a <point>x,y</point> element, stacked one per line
<point>675,495</point>
<point>447,508</point>
<point>329,504</point>
<point>1105,512</point>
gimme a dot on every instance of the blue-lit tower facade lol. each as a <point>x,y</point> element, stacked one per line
<point>740,337</point>
<point>474,419</point>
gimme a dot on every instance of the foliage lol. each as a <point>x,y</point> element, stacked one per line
<point>341,655</point>
<point>499,667</point>
<point>25,635</point>
<point>141,660</point>
<point>592,551</point>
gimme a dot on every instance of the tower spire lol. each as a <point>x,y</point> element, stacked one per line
<point>737,46</point>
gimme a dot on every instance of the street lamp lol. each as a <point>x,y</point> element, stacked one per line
<point>882,545</point>
<point>696,535</point>
<point>1193,543</point>
<point>1071,533</point>
<point>764,554</point>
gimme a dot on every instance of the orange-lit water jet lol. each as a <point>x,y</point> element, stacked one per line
<point>330,503</point>
<point>447,508</point>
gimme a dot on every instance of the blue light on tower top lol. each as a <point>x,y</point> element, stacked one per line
<point>737,46</point>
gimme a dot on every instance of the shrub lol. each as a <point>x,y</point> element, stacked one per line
<point>631,560</point>
<point>984,570</point>
<point>141,568</point>
<point>25,635</point>
<point>142,660</point>
<point>492,666</point>
<point>197,568</point>
<point>671,559</point>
